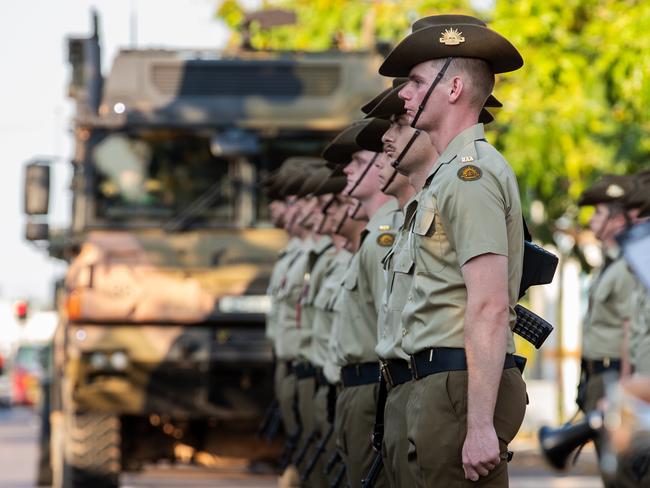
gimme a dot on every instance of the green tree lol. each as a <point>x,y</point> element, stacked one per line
<point>577,109</point>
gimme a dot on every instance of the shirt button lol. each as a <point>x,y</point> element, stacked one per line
<point>410,298</point>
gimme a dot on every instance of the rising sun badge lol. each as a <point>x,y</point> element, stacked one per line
<point>470,173</point>
<point>451,37</point>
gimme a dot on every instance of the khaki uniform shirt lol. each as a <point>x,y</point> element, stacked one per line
<point>320,258</point>
<point>324,315</point>
<point>288,333</point>
<point>641,331</point>
<point>357,306</point>
<point>609,307</point>
<point>469,207</point>
<point>398,266</point>
<point>279,271</point>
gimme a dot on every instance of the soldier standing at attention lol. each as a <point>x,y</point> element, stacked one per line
<point>468,398</point>
<point>287,332</point>
<point>402,145</point>
<point>355,326</point>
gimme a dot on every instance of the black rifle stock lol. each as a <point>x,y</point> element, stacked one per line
<point>373,473</point>
<point>320,450</point>
<point>336,482</point>
<point>300,457</point>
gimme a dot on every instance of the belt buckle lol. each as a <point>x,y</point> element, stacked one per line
<point>385,372</point>
<point>414,367</point>
<point>607,362</point>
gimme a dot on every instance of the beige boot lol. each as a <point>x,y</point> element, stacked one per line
<point>290,478</point>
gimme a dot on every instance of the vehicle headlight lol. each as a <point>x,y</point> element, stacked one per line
<point>119,360</point>
<point>99,360</point>
<point>245,304</point>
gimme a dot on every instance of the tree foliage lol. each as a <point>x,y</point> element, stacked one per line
<point>578,108</point>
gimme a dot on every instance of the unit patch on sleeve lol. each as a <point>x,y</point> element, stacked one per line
<point>386,239</point>
<point>469,173</point>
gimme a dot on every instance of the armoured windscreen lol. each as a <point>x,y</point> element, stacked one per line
<point>161,175</point>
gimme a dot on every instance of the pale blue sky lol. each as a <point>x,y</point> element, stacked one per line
<point>35,113</point>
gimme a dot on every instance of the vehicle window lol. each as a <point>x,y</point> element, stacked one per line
<point>157,174</point>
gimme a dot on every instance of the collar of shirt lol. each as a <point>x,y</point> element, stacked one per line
<point>322,244</point>
<point>471,134</point>
<point>379,218</point>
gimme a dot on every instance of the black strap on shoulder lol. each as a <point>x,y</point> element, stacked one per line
<point>399,159</point>
<point>437,79</point>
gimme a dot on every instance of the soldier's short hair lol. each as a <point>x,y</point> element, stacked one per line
<point>477,76</point>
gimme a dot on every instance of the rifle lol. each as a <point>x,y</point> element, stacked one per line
<point>300,457</point>
<point>377,435</point>
<point>267,419</point>
<point>373,473</point>
<point>274,425</point>
<point>320,450</point>
<point>338,478</point>
<point>333,461</point>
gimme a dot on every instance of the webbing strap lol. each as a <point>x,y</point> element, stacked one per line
<point>439,76</point>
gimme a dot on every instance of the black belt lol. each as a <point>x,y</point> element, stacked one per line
<point>304,370</point>
<point>598,366</point>
<point>360,374</point>
<point>395,371</point>
<point>440,359</point>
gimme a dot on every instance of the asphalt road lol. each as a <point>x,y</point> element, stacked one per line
<point>18,454</point>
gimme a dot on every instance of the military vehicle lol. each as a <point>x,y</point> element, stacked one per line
<point>160,341</point>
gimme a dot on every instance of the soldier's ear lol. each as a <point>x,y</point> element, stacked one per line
<point>456,88</point>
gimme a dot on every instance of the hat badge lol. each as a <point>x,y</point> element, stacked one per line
<point>614,191</point>
<point>451,37</point>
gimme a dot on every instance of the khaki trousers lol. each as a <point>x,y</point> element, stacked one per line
<point>307,408</point>
<point>396,444</point>
<point>285,392</point>
<point>355,419</point>
<point>436,418</point>
<point>317,477</point>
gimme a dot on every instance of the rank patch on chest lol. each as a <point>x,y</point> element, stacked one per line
<point>386,239</point>
<point>469,173</point>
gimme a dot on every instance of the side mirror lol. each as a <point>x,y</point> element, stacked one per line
<point>37,231</point>
<point>37,188</point>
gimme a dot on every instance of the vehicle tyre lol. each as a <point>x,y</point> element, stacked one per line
<point>91,451</point>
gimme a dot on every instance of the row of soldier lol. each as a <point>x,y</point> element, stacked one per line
<point>394,302</point>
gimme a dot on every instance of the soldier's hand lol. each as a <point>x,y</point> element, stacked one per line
<point>480,452</point>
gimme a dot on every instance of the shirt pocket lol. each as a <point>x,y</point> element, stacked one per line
<point>430,244</point>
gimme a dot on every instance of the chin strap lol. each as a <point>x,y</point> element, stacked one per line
<point>363,175</point>
<point>439,76</point>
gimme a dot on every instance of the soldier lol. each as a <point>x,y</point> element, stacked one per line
<point>319,261</point>
<point>407,151</point>
<point>345,234</point>
<point>288,296</point>
<point>606,324</point>
<point>466,239</point>
<point>355,326</point>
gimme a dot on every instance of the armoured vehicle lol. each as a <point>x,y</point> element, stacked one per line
<point>160,341</point>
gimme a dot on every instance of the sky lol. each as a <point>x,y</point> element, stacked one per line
<point>35,112</point>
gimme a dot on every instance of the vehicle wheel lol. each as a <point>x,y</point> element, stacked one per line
<point>91,451</point>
